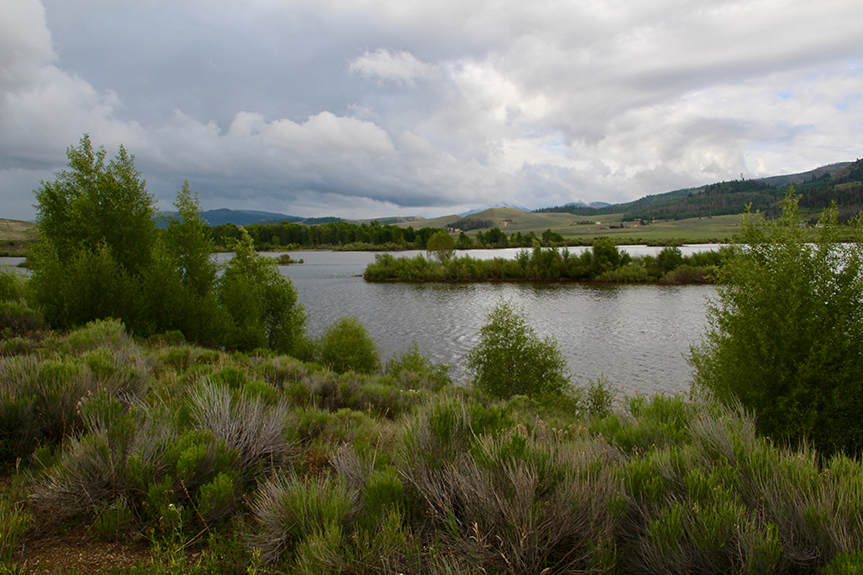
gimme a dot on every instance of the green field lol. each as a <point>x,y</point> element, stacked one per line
<point>512,221</point>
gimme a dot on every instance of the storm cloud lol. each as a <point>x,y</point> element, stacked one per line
<point>363,109</point>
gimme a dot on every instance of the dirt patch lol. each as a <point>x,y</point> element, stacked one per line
<point>78,550</point>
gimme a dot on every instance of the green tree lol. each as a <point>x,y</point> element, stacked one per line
<point>786,333</point>
<point>606,256</point>
<point>441,246</point>
<point>511,359</point>
<point>182,277</point>
<point>464,241</point>
<point>670,258</point>
<point>549,238</point>
<point>260,302</point>
<point>97,233</point>
<point>93,203</point>
<point>347,346</point>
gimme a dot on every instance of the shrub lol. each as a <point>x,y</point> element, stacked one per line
<point>247,425</point>
<point>13,285</point>
<point>786,333</point>
<point>13,526</point>
<point>17,320</point>
<point>413,371</point>
<point>510,359</point>
<point>293,516</point>
<point>346,345</point>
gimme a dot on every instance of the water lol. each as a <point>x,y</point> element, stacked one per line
<point>637,336</point>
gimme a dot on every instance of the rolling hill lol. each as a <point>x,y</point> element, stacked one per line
<point>841,182</point>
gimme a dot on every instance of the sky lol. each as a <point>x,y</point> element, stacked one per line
<point>374,108</point>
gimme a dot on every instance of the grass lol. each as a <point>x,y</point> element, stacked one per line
<point>260,463</point>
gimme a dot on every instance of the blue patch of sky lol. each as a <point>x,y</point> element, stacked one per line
<point>556,147</point>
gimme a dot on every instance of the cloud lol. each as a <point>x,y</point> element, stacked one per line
<point>399,67</point>
<point>298,107</point>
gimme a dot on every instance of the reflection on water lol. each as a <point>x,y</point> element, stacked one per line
<point>637,336</point>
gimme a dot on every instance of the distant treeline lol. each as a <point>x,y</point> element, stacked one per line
<point>468,224</point>
<point>344,235</point>
<point>604,263</point>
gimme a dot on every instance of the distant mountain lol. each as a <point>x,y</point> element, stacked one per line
<point>224,216</point>
<point>498,205</point>
<point>245,217</point>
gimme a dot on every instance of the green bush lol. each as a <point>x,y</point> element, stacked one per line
<point>786,334</point>
<point>16,320</point>
<point>411,370</point>
<point>291,515</point>
<point>510,359</point>
<point>346,345</point>
<point>13,285</point>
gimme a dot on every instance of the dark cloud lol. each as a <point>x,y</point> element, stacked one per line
<point>410,107</point>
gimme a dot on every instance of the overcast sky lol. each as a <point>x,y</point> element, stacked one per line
<point>364,108</point>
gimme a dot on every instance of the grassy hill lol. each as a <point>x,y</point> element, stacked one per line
<point>841,182</point>
<point>15,236</point>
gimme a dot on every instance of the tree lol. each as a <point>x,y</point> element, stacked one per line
<point>510,359</point>
<point>786,333</point>
<point>97,234</point>
<point>181,280</point>
<point>441,246</point>
<point>670,258</point>
<point>261,303</point>
<point>347,346</point>
<point>93,203</point>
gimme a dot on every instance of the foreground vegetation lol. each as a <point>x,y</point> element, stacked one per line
<point>269,464</point>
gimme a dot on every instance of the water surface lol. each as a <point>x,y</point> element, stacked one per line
<point>637,336</point>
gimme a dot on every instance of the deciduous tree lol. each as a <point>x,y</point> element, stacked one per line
<point>441,246</point>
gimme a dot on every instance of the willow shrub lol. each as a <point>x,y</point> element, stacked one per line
<point>346,345</point>
<point>510,359</point>
<point>786,332</point>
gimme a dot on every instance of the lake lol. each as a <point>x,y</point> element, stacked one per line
<point>637,336</point>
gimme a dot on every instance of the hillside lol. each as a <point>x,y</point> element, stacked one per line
<point>15,235</point>
<point>841,183</point>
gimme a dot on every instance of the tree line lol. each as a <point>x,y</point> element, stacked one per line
<point>604,262</point>
<point>346,235</point>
